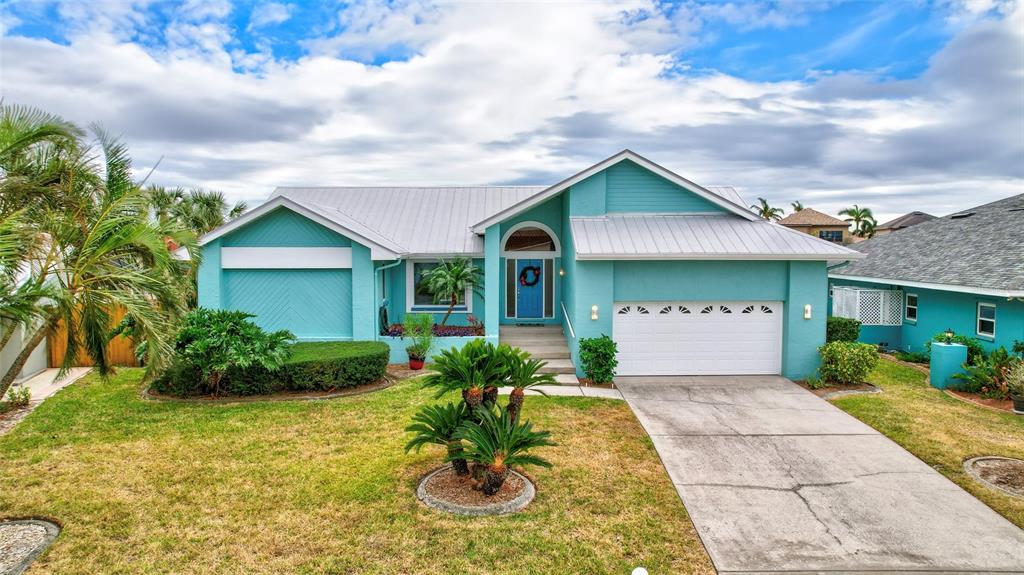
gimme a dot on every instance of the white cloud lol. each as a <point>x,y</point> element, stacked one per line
<point>268,14</point>
<point>534,92</point>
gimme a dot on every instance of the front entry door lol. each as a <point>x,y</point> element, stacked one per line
<point>529,298</point>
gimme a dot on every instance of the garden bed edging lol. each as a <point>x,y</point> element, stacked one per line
<point>397,345</point>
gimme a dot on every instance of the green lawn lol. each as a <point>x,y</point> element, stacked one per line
<point>941,430</point>
<point>324,487</point>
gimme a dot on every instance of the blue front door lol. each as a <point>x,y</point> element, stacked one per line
<point>529,298</point>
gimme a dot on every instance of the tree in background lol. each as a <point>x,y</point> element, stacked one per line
<point>797,206</point>
<point>766,211</point>
<point>198,210</point>
<point>862,219</point>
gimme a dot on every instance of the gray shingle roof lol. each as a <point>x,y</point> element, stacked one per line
<point>980,247</point>
<point>907,220</point>
<point>726,236</point>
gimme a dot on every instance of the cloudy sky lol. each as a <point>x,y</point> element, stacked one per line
<point>896,105</point>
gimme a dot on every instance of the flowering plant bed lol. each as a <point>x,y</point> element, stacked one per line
<point>474,329</point>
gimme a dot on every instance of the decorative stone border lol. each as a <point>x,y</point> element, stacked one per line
<point>517,504</point>
<point>386,382</point>
<point>52,531</point>
<point>845,392</point>
<point>969,468</point>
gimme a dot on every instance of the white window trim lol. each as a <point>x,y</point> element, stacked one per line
<point>544,292</point>
<point>410,293</point>
<point>907,306</point>
<point>978,318</point>
<point>531,255</point>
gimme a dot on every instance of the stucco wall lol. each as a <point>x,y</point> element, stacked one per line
<point>938,311</point>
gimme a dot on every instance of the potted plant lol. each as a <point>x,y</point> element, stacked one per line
<point>1015,385</point>
<point>419,329</point>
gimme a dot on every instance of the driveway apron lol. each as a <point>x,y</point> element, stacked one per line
<point>778,480</point>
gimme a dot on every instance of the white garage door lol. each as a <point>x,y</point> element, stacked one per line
<point>698,337</point>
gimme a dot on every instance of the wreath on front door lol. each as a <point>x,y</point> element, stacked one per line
<point>525,278</point>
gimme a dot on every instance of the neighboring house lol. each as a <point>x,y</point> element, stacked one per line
<point>819,225</point>
<point>904,221</point>
<point>37,361</point>
<point>963,272</point>
<point>684,278</point>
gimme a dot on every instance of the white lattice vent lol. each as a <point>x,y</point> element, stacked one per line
<point>868,306</point>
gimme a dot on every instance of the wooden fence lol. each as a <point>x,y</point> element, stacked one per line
<point>120,350</point>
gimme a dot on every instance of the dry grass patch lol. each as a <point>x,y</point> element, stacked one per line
<point>941,430</point>
<point>324,487</point>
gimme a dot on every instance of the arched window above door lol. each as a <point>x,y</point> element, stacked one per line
<point>531,237</point>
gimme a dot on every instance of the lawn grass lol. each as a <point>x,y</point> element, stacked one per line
<point>324,487</point>
<point>941,430</point>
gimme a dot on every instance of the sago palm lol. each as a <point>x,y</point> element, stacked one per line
<point>468,370</point>
<point>766,211</point>
<point>450,280</point>
<point>522,373</point>
<point>437,425</point>
<point>498,442</point>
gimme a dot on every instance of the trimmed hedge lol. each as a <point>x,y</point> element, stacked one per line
<point>313,366</point>
<point>847,363</point>
<point>841,329</point>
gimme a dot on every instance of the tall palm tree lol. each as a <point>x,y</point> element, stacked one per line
<point>203,210</point>
<point>868,228</point>
<point>857,215</point>
<point>797,206</point>
<point>107,253</point>
<point>20,294</point>
<point>164,201</point>
<point>450,280</point>
<point>766,211</point>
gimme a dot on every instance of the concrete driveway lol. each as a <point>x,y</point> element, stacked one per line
<point>779,480</point>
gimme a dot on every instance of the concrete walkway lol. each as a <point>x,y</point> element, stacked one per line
<point>569,391</point>
<point>779,480</point>
<point>40,386</point>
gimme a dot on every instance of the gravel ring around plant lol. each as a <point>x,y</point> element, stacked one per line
<point>22,541</point>
<point>845,392</point>
<point>379,385</point>
<point>969,467</point>
<point>503,508</point>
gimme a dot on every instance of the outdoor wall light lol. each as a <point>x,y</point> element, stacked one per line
<point>561,272</point>
<point>807,311</point>
<point>593,312</point>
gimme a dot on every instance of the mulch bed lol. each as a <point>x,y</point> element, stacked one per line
<point>833,390</point>
<point>448,486</point>
<point>1002,472</point>
<point>997,404</point>
<point>382,383</point>
<point>587,382</point>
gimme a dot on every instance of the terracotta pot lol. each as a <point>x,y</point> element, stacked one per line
<point>415,363</point>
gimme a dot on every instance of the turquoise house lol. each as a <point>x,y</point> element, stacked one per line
<point>683,277</point>
<point>962,272</point>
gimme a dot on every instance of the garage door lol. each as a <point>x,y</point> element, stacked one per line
<point>698,337</point>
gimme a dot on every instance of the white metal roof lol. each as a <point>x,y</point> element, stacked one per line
<point>677,236</point>
<point>418,220</point>
<point>729,193</point>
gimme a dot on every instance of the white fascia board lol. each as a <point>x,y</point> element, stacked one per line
<point>554,190</point>
<point>285,258</point>
<point>935,286</point>
<point>377,251</point>
<point>655,257</point>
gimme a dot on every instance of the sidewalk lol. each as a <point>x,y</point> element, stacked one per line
<point>41,386</point>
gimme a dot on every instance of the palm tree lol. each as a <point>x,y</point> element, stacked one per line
<point>20,294</point>
<point>797,206</point>
<point>450,280</point>
<point>868,228</point>
<point>498,442</point>
<point>163,201</point>
<point>766,211</point>
<point>437,424</point>
<point>522,373</point>
<point>857,216</point>
<point>200,210</point>
<point>104,254</point>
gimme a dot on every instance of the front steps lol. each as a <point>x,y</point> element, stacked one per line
<point>546,343</point>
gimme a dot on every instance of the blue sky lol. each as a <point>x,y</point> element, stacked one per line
<point>896,105</point>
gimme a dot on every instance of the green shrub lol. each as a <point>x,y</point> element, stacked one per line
<point>989,376</point>
<point>313,366</point>
<point>847,363</point>
<point>841,329</point>
<point>913,357</point>
<point>815,382</point>
<point>975,351</point>
<point>597,356</point>
<point>17,396</point>
<point>418,327</point>
<point>1015,379</point>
